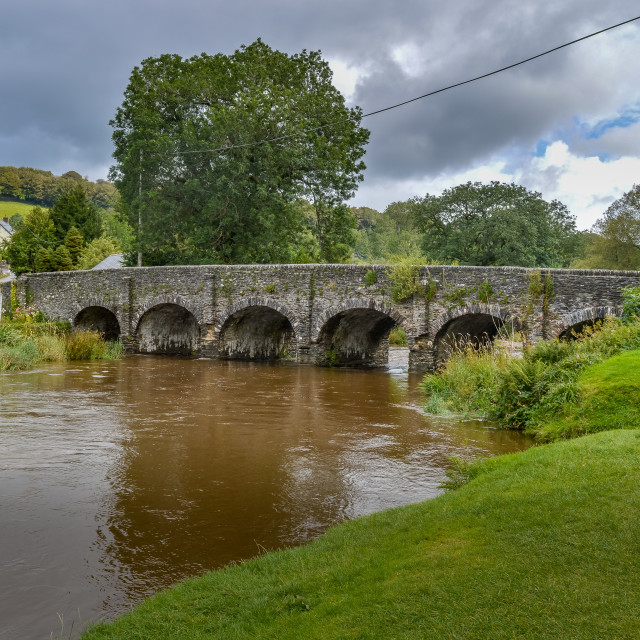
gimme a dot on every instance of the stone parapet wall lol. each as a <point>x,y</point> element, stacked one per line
<point>310,309</point>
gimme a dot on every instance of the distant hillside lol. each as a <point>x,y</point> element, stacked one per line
<point>38,187</point>
<point>10,207</point>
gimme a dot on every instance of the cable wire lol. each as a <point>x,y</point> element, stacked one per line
<point>421,97</point>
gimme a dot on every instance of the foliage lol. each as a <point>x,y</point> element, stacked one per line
<point>525,393</point>
<point>72,209</point>
<point>97,250</point>
<point>84,345</point>
<point>27,337</point>
<point>381,236</point>
<point>45,260</point>
<point>467,384</point>
<point>614,241</point>
<point>190,134</point>
<point>398,337</point>
<point>485,291</point>
<point>539,545</point>
<point>62,259</point>
<point>42,188</point>
<point>494,224</point>
<point>370,277</point>
<point>404,278</point>
<point>459,472</point>
<point>608,399</point>
<point>630,304</point>
<point>37,231</point>
<point>74,242</point>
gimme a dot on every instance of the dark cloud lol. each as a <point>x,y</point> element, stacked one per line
<point>66,64</point>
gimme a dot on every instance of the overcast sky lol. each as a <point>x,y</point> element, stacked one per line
<point>567,125</point>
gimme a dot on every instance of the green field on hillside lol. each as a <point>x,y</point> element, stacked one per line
<point>9,207</point>
<point>540,544</point>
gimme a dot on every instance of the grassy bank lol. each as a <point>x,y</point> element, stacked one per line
<point>541,544</point>
<point>526,393</point>
<point>28,340</point>
<point>609,398</point>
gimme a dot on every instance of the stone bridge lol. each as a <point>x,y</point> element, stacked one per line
<point>322,314</point>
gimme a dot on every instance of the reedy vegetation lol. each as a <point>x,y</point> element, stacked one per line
<point>527,393</point>
<point>27,338</point>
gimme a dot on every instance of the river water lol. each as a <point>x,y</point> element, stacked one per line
<point>121,478</point>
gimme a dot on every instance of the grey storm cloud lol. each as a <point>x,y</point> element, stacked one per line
<point>66,64</point>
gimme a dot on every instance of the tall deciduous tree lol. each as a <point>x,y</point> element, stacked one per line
<point>495,224</point>
<point>223,148</point>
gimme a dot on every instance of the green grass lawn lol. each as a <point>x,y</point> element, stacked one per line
<point>540,544</point>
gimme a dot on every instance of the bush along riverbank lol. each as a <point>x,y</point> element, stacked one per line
<point>28,338</point>
<point>548,384</point>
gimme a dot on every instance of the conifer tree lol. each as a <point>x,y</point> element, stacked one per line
<point>75,243</point>
<point>45,260</point>
<point>62,259</point>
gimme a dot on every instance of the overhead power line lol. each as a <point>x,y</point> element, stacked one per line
<point>421,97</point>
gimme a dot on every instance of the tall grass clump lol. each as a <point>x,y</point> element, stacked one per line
<point>466,384</point>
<point>85,344</point>
<point>27,338</point>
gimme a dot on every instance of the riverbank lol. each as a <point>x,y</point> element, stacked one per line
<point>544,385</point>
<point>27,340</point>
<point>539,544</point>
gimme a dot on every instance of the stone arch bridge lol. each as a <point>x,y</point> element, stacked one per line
<point>322,314</point>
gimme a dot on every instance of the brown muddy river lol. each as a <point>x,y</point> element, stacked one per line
<point>121,478</point>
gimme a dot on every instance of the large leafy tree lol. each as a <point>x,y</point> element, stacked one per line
<point>495,224</point>
<point>191,157</point>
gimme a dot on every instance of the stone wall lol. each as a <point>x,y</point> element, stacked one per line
<point>322,314</point>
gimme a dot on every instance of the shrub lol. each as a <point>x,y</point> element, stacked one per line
<point>404,280</point>
<point>630,304</point>
<point>51,348</point>
<point>398,337</point>
<point>370,277</point>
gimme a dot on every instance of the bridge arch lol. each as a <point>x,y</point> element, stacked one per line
<point>257,329</point>
<point>97,315</point>
<point>168,325</point>
<point>578,320</point>
<point>474,324</point>
<point>356,332</point>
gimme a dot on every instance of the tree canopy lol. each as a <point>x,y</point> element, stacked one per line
<point>73,234</point>
<point>191,156</point>
<point>43,188</point>
<point>495,224</point>
<point>615,239</point>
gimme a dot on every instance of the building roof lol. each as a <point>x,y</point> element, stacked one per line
<point>114,261</point>
<point>6,226</point>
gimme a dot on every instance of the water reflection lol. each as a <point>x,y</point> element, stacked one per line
<point>119,479</point>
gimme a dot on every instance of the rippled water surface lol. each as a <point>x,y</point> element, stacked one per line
<point>120,478</point>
